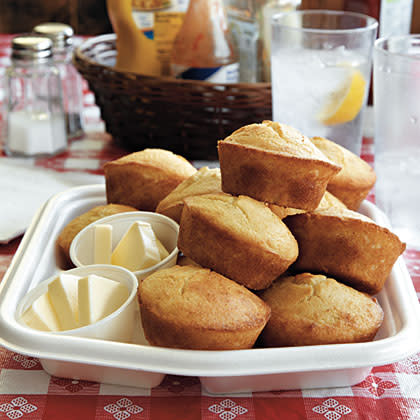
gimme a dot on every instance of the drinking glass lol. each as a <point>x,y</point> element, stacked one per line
<point>397,132</point>
<point>320,72</point>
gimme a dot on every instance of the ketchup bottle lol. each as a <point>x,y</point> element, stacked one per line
<point>203,48</point>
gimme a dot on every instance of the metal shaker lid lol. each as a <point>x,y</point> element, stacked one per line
<point>31,47</point>
<point>60,34</point>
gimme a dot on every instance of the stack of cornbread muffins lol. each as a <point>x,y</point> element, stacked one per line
<point>273,248</point>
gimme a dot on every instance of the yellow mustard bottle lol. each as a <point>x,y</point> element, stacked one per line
<point>135,52</point>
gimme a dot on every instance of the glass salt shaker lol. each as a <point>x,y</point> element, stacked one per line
<point>34,117</point>
<point>62,37</point>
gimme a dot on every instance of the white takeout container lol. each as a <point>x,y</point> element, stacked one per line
<point>231,371</point>
<point>166,230</point>
<point>117,326</point>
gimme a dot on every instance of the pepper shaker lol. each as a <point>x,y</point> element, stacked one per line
<point>61,36</point>
<point>34,117</point>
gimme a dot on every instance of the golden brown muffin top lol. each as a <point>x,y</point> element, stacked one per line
<point>322,300</point>
<point>158,159</point>
<point>282,211</point>
<point>343,213</point>
<point>204,181</point>
<point>276,137</point>
<point>355,171</point>
<point>328,200</point>
<point>194,296</point>
<point>250,220</point>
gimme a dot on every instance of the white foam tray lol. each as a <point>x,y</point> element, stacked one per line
<point>142,365</point>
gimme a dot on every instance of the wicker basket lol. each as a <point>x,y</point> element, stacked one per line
<point>187,117</point>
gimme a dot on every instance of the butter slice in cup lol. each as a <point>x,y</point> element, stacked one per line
<point>40,315</point>
<point>106,307</point>
<point>138,249</point>
<point>63,296</point>
<point>102,244</point>
<point>98,297</point>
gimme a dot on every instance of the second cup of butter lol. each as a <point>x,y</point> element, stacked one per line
<point>97,301</point>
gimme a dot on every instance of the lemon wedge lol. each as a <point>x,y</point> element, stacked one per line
<point>345,103</point>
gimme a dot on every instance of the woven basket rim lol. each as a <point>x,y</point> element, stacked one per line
<point>79,54</point>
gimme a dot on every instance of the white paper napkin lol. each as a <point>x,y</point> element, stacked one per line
<point>24,188</point>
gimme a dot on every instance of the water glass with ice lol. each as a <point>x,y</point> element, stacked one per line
<point>320,72</point>
<point>397,132</point>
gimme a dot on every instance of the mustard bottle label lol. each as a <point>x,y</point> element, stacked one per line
<point>160,21</point>
<point>132,44</point>
<point>150,4</point>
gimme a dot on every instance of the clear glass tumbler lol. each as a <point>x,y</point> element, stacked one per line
<point>397,132</point>
<point>320,72</point>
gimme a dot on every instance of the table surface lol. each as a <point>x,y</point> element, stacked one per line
<point>26,391</point>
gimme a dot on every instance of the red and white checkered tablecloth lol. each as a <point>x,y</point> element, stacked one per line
<point>27,392</point>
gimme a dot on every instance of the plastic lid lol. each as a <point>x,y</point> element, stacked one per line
<point>31,47</point>
<point>59,33</point>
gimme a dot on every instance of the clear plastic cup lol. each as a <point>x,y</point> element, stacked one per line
<point>320,72</point>
<point>397,133</point>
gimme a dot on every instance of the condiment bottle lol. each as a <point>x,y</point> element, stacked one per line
<point>145,30</point>
<point>34,117</point>
<point>61,36</point>
<point>135,51</point>
<point>203,48</point>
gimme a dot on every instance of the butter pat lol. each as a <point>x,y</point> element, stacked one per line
<point>98,297</point>
<point>163,252</point>
<point>138,248</point>
<point>41,315</point>
<point>102,244</point>
<point>63,297</point>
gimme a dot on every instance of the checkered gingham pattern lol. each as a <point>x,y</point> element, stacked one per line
<point>26,391</point>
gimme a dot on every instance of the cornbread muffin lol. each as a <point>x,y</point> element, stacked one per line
<point>345,245</point>
<point>238,237</point>
<point>142,179</point>
<point>283,212</point>
<point>328,200</point>
<point>356,178</point>
<point>312,309</point>
<point>195,308</point>
<point>67,235</point>
<point>204,181</point>
<point>274,163</point>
